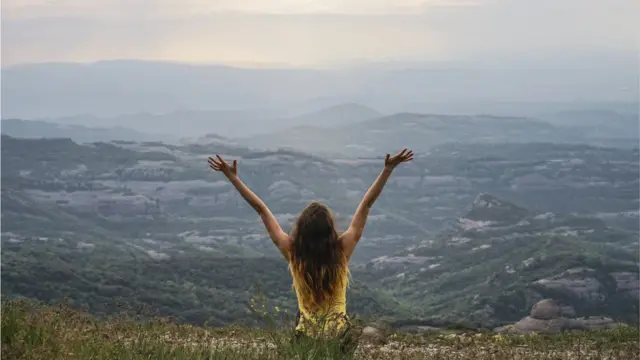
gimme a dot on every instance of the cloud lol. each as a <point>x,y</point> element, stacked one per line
<point>292,40</point>
<point>21,9</point>
<point>312,32</point>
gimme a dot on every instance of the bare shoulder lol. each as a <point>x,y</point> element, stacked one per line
<point>285,242</point>
<point>349,240</point>
<point>285,247</point>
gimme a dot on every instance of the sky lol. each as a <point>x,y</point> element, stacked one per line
<point>313,33</point>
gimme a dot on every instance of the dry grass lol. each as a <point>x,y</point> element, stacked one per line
<point>32,331</point>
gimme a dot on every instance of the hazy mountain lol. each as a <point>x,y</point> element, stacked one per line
<point>599,124</point>
<point>182,123</point>
<point>594,117</point>
<point>111,88</point>
<point>231,123</point>
<point>338,115</point>
<point>418,131</point>
<point>83,134</point>
<point>354,129</point>
<point>534,109</point>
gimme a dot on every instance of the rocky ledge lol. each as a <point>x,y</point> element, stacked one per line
<point>547,317</point>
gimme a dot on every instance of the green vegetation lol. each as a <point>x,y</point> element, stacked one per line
<point>146,225</point>
<point>196,289</point>
<point>33,332</point>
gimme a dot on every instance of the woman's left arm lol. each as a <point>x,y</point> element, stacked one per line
<point>278,236</point>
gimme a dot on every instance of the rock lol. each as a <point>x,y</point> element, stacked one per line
<point>595,323</point>
<point>546,309</point>
<point>373,334</point>
<point>382,326</point>
<point>419,329</point>
<point>546,317</point>
<point>627,282</point>
<point>568,311</point>
<point>504,329</point>
<point>532,325</point>
<point>489,208</point>
<point>582,282</point>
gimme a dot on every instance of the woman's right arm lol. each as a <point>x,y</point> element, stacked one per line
<point>277,235</point>
<point>353,234</point>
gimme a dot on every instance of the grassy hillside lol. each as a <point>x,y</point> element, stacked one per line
<point>147,225</point>
<point>32,331</point>
<point>192,289</point>
<point>500,259</point>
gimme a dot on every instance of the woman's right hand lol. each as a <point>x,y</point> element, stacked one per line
<point>390,162</point>
<point>218,164</point>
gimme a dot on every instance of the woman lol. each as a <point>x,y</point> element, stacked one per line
<point>317,254</point>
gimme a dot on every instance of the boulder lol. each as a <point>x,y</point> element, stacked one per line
<point>373,334</point>
<point>546,309</point>
<point>532,325</point>
<point>546,317</point>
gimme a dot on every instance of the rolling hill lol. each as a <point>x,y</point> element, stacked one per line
<point>98,222</point>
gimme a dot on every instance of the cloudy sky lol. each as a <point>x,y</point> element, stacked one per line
<point>313,33</point>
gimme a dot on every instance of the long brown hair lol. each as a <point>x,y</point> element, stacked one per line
<point>317,260</point>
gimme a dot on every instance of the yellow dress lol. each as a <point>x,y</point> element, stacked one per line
<point>332,312</point>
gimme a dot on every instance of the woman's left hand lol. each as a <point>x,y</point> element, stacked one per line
<point>390,162</point>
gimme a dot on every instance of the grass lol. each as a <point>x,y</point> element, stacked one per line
<point>36,331</point>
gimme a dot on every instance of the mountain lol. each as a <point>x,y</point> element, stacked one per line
<point>182,123</point>
<point>112,88</point>
<point>337,115</point>
<point>123,182</point>
<point>227,123</point>
<point>418,131</point>
<point>83,134</point>
<point>487,208</point>
<point>109,219</point>
<point>595,117</point>
<point>500,259</point>
<point>346,128</point>
<point>599,123</point>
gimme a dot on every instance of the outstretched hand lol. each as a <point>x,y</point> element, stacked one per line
<point>391,162</point>
<point>218,164</point>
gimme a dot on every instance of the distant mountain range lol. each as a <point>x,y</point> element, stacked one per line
<point>112,88</point>
<point>345,128</point>
<point>187,123</point>
<point>423,131</point>
<point>598,123</point>
<point>35,129</point>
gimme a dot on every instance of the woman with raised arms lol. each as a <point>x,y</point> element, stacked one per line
<point>317,253</point>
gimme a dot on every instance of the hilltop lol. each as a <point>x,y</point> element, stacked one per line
<point>34,332</point>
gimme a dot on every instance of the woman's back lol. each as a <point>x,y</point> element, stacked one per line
<point>319,268</point>
<point>328,314</point>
